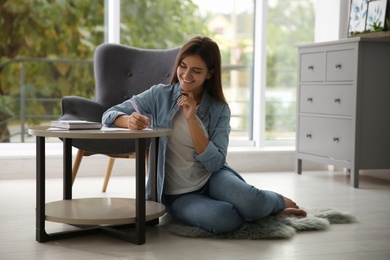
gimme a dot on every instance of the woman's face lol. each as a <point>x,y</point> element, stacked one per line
<point>192,72</point>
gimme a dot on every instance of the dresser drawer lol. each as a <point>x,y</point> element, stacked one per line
<point>340,65</point>
<point>326,99</point>
<point>327,137</point>
<point>312,67</point>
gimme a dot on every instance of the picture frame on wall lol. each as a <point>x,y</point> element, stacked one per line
<point>376,14</point>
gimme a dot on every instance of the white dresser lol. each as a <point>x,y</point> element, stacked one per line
<point>343,104</point>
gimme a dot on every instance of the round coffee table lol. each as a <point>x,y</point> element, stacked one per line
<point>97,213</point>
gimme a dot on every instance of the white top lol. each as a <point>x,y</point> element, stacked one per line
<point>183,173</point>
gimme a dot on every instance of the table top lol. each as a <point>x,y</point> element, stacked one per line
<point>43,131</point>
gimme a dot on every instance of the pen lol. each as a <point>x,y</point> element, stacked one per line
<point>135,106</point>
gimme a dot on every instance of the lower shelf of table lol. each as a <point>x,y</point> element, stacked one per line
<point>97,211</point>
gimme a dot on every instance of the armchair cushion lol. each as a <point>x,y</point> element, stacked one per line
<point>79,108</point>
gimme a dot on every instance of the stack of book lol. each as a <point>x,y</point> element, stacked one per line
<point>75,124</point>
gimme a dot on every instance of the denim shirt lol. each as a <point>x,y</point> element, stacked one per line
<point>160,101</point>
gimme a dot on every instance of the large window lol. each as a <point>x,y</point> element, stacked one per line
<point>169,23</point>
<point>288,23</point>
<point>257,47</point>
<point>232,24</point>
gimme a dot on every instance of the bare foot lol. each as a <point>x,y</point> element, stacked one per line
<point>290,204</point>
<point>294,212</point>
<point>291,208</point>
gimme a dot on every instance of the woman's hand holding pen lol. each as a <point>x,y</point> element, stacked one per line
<point>135,121</point>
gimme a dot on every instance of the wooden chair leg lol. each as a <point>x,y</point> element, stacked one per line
<point>108,173</point>
<point>147,158</point>
<point>76,165</point>
<point>111,165</point>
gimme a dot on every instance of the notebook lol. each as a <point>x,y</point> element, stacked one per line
<point>75,124</point>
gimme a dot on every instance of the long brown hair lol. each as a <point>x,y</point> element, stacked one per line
<point>208,50</point>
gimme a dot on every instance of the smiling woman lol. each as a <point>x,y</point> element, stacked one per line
<point>192,72</point>
<point>199,68</point>
<point>192,172</point>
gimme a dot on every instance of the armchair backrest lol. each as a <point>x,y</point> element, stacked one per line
<point>123,71</point>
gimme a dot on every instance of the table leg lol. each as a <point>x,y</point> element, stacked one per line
<point>140,192</point>
<point>67,169</point>
<point>153,167</point>
<point>41,235</point>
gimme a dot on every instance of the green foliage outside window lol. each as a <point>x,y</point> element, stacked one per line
<point>289,23</point>
<point>72,29</point>
<point>159,24</point>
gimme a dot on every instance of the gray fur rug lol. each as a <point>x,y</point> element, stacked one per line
<point>271,227</point>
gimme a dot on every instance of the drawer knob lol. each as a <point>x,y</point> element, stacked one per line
<point>336,139</point>
<point>338,66</point>
<point>308,136</point>
<point>337,100</point>
<point>309,99</point>
<point>310,67</point>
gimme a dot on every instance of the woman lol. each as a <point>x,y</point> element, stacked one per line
<point>194,182</point>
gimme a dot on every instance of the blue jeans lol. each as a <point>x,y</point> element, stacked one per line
<point>224,204</point>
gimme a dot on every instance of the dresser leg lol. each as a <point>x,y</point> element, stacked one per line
<point>354,177</point>
<point>298,166</point>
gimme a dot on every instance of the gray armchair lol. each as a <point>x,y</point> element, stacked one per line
<point>120,72</point>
